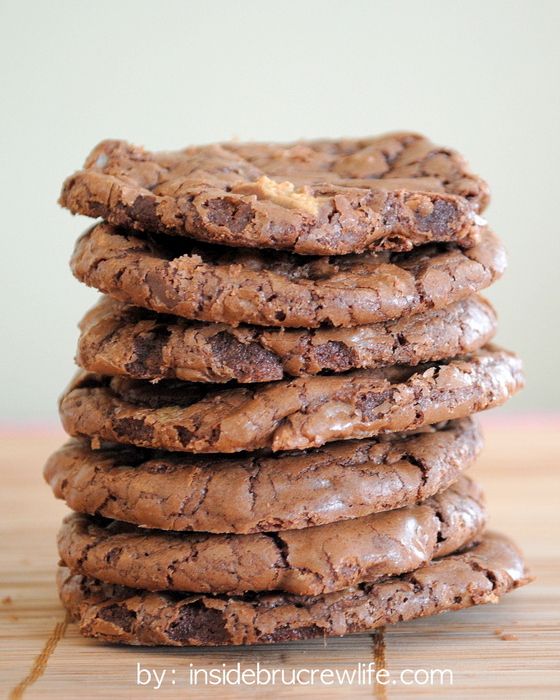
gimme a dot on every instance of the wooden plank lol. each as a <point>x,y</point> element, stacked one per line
<point>510,650</point>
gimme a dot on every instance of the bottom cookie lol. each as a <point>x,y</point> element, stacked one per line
<point>114,613</point>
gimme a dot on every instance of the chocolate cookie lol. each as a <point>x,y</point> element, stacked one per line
<point>118,339</point>
<point>114,613</point>
<point>286,415</point>
<point>279,289</point>
<point>318,197</point>
<point>244,494</point>
<point>307,562</point>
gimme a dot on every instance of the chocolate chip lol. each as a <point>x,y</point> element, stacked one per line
<point>440,219</point>
<point>118,615</point>
<point>196,622</point>
<point>231,213</point>
<point>336,356</point>
<point>249,361</point>
<point>133,429</point>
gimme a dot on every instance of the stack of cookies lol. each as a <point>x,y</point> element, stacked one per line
<point>272,421</point>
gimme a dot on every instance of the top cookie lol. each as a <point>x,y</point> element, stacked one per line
<point>391,192</point>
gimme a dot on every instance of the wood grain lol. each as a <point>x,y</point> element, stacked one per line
<point>508,650</point>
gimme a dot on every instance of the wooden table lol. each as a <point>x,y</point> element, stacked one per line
<point>507,650</point>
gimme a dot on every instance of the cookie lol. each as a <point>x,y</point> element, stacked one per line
<point>278,289</point>
<point>118,339</point>
<point>286,415</point>
<point>260,493</point>
<point>310,561</point>
<point>319,198</point>
<point>115,613</point>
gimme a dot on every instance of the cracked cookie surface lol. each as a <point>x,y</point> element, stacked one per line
<point>113,613</point>
<point>285,415</point>
<point>261,493</point>
<point>316,197</point>
<point>236,286</point>
<point>309,561</point>
<point>118,339</point>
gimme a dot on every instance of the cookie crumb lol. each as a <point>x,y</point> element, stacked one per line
<point>95,443</point>
<point>505,636</point>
